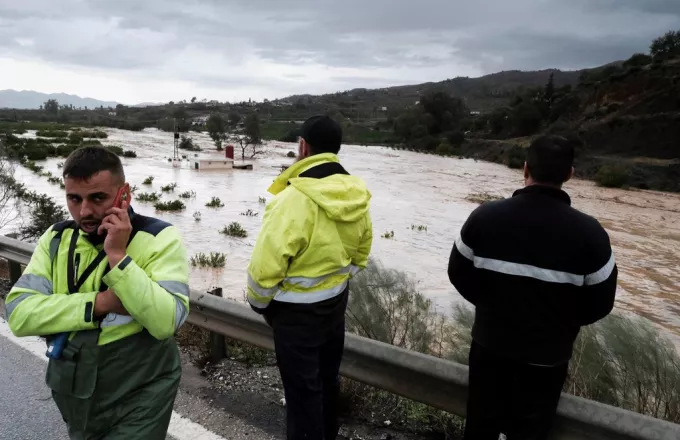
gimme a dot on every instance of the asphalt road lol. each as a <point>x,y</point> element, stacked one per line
<point>27,411</point>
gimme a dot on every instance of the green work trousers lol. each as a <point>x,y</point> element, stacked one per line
<point>123,390</point>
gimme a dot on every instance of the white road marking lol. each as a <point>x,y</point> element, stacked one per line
<point>180,428</point>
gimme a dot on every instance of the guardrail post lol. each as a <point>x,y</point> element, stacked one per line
<point>218,343</point>
<point>14,267</point>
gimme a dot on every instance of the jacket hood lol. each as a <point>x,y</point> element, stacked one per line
<point>343,197</point>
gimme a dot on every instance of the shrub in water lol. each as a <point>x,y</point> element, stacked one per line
<point>148,197</point>
<point>175,205</point>
<point>148,180</point>
<point>215,202</point>
<point>234,230</point>
<point>129,153</point>
<point>214,260</point>
<point>249,213</point>
<point>187,195</point>
<point>118,151</point>
<point>169,188</point>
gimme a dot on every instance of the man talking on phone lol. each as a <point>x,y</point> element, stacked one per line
<point>107,290</point>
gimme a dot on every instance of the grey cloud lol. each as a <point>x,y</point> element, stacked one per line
<point>487,35</point>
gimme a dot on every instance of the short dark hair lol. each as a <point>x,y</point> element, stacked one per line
<point>85,162</point>
<point>323,134</point>
<point>550,159</point>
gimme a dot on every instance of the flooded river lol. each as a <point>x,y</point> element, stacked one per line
<point>408,189</point>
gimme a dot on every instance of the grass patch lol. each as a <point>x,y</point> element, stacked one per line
<point>96,134</point>
<point>419,228</point>
<point>175,205</point>
<point>482,197</point>
<point>249,213</point>
<point>234,230</point>
<point>214,260</point>
<point>148,197</point>
<point>148,180</point>
<point>389,235</point>
<point>215,202</point>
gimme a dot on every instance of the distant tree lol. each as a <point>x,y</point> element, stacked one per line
<point>217,129</point>
<point>249,139</point>
<point>234,118</point>
<point>667,45</point>
<point>638,60</point>
<point>193,99</point>
<point>549,94</point>
<point>44,212</point>
<point>52,106</point>
<point>438,104</point>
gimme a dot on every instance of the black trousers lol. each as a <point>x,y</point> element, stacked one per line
<point>509,397</point>
<point>309,340</point>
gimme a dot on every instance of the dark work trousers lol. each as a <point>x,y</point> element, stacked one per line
<point>309,340</point>
<point>516,399</point>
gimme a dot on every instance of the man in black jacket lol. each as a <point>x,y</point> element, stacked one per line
<point>536,270</point>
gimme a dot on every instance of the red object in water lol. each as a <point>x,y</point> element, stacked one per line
<point>229,152</point>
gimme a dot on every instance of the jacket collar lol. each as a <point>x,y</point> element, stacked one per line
<point>281,182</point>
<point>546,191</point>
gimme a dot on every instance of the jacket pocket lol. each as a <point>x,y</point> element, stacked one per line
<point>74,378</point>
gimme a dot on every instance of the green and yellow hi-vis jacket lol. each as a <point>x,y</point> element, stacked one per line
<point>151,282</point>
<point>316,234</point>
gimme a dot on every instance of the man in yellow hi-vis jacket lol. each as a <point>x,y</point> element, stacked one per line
<point>316,234</point>
<point>115,283</point>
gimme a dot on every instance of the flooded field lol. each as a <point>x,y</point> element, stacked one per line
<point>408,189</point>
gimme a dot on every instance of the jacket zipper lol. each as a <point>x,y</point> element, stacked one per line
<point>75,272</point>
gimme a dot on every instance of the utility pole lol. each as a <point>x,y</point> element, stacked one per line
<point>176,157</point>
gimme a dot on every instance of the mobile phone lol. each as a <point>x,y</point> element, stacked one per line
<point>122,194</point>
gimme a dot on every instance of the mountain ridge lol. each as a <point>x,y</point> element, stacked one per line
<point>31,99</point>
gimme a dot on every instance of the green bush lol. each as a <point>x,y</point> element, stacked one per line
<point>445,149</point>
<point>187,195</point>
<point>234,230</point>
<point>43,213</point>
<point>175,205</point>
<point>66,150</point>
<point>130,154</point>
<point>612,176</point>
<point>148,180</point>
<point>638,60</point>
<point>516,157</point>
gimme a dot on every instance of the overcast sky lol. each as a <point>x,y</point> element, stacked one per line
<point>135,51</point>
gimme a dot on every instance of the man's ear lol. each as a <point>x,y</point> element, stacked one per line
<point>571,174</point>
<point>526,171</point>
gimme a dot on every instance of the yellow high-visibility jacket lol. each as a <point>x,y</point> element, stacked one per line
<point>151,282</point>
<point>316,234</point>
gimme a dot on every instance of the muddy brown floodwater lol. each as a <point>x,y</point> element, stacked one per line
<point>408,189</point>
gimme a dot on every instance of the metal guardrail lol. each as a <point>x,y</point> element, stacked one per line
<point>427,379</point>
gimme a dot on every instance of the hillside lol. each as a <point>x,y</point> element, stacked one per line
<point>481,94</point>
<point>28,99</point>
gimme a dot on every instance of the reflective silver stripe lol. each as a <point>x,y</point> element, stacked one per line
<point>114,319</point>
<point>518,269</point>
<point>602,274</point>
<point>257,304</point>
<point>10,306</point>
<point>180,313</point>
<point>175,287</point>
<point>261,290</point>
<point>308,282</point>
<point>311,297</point>
<point>34,282</point>
<point>353,270</point>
